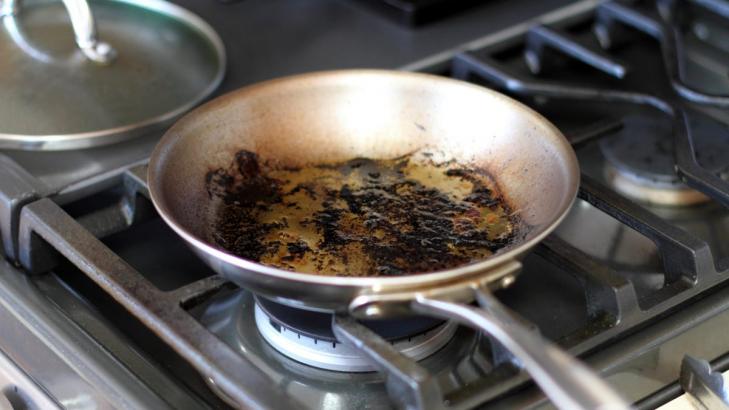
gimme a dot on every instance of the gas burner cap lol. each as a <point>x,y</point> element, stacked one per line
<point>333,355</point>
<point>640,164</point>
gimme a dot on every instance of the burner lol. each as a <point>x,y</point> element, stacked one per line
<point>640,164</point>
<point>306,336</point>
<point>643,188</point>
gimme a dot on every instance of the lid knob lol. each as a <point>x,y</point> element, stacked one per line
<point>84,28</point>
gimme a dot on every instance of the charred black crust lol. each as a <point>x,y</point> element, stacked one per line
<point>424,228</point>
<point>218,182</point>
<point>247,162</point>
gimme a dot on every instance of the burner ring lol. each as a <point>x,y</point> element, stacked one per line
<point>337,356</point>
<point>318,325</point>
<point>653,193</point>
<point>640,163</point>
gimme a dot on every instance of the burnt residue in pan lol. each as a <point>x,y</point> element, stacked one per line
<point>362,217</point>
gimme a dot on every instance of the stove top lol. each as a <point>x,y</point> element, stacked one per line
<point>634,279</point>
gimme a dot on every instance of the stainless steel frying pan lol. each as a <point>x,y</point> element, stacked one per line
<point>340,115</point>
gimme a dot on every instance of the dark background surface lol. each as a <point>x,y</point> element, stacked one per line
<point>271,38</point>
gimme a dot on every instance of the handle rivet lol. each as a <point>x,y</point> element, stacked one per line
<point>507,280</point>
<point>373,311</point>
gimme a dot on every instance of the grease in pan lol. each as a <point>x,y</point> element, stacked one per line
<point>361,217</point>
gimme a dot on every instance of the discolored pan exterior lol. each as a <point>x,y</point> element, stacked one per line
<point>336,116</point>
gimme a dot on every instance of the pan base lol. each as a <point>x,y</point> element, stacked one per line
<point>336,356</point>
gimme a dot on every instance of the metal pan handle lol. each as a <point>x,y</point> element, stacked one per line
<point>84,28</point>
<point>566,381</point>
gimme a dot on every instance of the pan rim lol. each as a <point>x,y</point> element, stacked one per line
<point>414,279</point>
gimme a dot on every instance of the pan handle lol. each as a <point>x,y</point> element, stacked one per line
<point>568,383</point>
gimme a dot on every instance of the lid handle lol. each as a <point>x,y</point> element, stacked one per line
<point>84,28</point>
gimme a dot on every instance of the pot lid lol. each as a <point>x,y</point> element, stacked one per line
<point>66,87</point>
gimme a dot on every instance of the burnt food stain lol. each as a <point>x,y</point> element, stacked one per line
<point>370,217</point>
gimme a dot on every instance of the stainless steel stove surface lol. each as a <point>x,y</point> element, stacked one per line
<point>103,306</point>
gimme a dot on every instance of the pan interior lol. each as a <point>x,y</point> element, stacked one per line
<point>336,117</point>
<point>363,217</point>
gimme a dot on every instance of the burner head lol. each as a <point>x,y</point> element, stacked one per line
<point>644,189</point>
<point>307,337</point>
<point>640,163</point>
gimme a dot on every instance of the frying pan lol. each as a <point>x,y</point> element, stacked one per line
<point>336,116</point>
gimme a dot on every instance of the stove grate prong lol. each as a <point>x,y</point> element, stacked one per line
<point>45,223</point>
<point>407,382</point>
<point>466,65</point>
<point>684,256</point>
<point>669,37</point>
<point>608,294</point>
<point>540,38</point>
<point>688,167</point>
<point>705,387</point>
<point>190,294</point>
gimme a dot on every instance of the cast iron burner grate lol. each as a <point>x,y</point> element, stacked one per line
<point>682,104</point>
<point>557,66</point>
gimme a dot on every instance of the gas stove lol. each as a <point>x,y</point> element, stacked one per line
<point>104,306</point>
